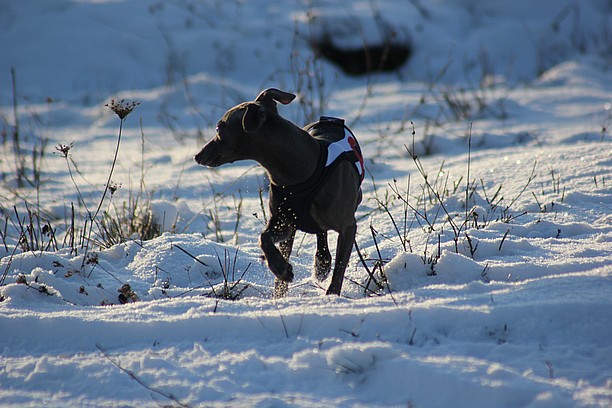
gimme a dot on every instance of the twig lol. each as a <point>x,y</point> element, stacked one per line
<point>8,266</point>
<point>371,277</point>
<point>532,176</point>
<point>134,377</point>
<point>503,239</point>
<point>469,162</point>
<point>191,256</point>
<point>282,319</point>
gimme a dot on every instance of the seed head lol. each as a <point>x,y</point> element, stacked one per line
<point>122,108</point>
<point>113,187</point>
<point>64,149</point>
<point>92,259</point>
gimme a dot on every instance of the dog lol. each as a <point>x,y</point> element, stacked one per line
<point>315,177</point>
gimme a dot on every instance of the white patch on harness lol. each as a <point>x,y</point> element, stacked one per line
<point>347,144</point>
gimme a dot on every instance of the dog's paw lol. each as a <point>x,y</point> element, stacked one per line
<point>322,267</point>
<point>281,289</point>
<point>287,275</point>
<point>282,270</point>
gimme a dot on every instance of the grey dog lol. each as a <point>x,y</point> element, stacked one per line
<point>315,180</point>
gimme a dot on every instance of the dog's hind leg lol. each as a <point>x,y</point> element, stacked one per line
<point>287,245</point>
<point>322,258</point>
<point>346,238</point>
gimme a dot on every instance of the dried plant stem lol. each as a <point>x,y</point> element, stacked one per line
<point>110,173</point>
<point>134,377</point>
<point>467,181</point>
<point>16,148</point>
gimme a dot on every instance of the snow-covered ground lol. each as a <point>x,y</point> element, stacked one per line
<point>507,303</point>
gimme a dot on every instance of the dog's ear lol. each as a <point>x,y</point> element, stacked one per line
<point>253,118</point>
<point>272,94</point>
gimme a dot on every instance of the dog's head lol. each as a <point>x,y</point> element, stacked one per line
<point>239,128</point>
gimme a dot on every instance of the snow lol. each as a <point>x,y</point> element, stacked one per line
<point>499,297</point>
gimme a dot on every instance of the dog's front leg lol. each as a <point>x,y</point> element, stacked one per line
<point>277,231</point>
<point>281,287</point>
<point>322,258</point>
<point>346,238</point>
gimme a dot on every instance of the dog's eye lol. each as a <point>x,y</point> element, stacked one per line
<point>220,127</point>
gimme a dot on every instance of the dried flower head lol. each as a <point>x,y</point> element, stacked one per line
<point>122,108</point>
<point>64,149</point>
<point>92,258</point>
<point>113,187</point>
<point>127,294</point>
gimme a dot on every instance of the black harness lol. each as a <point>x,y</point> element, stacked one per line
<point>336,144</point>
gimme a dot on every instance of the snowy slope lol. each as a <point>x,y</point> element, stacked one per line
<point>501,297</point>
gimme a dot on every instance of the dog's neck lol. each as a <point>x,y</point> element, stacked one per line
<point>291,156</point>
